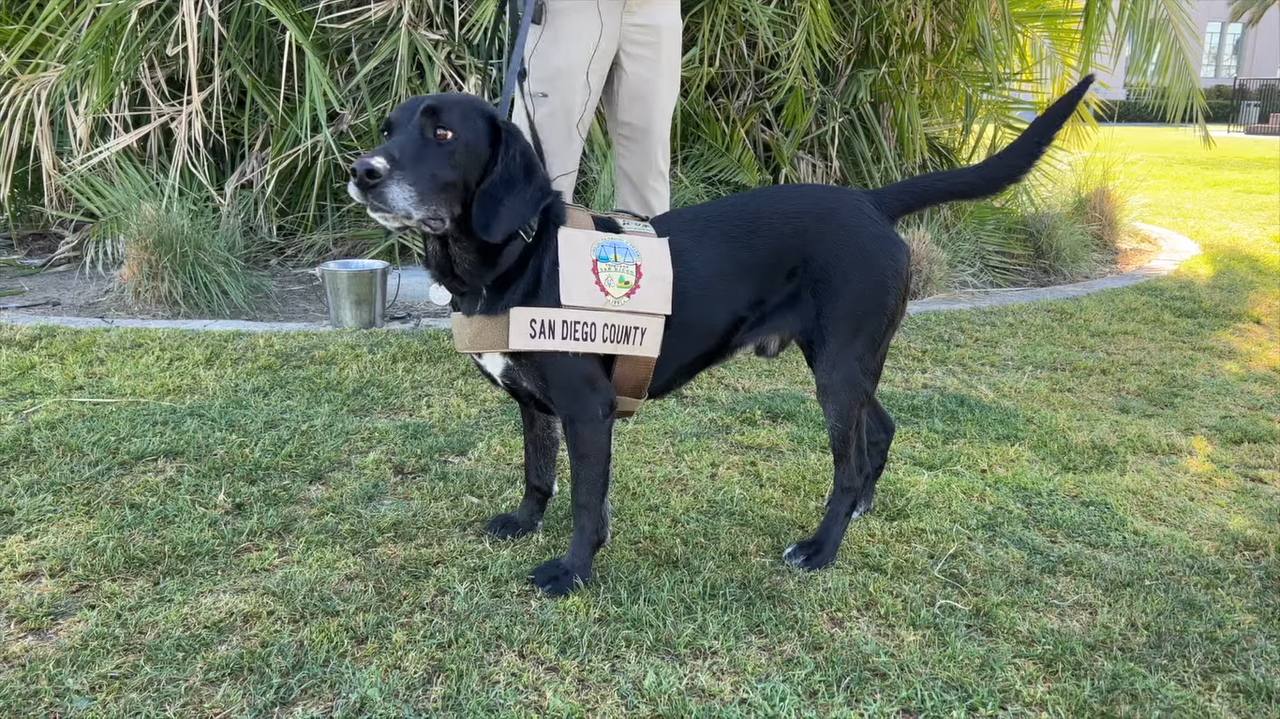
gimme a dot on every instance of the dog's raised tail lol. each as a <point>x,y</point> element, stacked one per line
<point>988,177</point>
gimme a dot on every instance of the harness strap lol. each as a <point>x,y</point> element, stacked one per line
<point>579,218</point>
<point>631,378</point>
<point>481,333</point>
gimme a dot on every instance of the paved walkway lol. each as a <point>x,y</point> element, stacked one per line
<point>1175,249</point>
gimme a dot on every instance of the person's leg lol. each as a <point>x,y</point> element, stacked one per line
<point>641,101</point>
<point>568,58</point>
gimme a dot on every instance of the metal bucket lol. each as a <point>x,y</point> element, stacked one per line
<point>356,292</point>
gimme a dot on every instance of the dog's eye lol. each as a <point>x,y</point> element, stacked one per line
<point>443,134</point>
<point>385,130</point>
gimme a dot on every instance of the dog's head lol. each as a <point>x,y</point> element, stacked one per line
<point>449,164</point>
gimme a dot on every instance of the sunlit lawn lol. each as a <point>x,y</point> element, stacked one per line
<point>1081,515</point>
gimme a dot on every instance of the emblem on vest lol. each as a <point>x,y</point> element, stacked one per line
<point>616,265</point>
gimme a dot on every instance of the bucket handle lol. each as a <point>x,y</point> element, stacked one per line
<point>387,308</point>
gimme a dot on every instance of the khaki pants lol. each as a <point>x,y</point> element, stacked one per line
<point>625,53</point>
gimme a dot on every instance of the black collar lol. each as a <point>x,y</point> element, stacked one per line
<point>499,279</point>
<point>529,229</point>
<point>512,252</point>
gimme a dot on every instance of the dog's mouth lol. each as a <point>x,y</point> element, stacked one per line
<point>432,223</point>
<point>355,194</point>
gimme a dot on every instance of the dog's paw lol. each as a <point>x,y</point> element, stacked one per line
<point>509,526</point>
<point>557,578</point>
<point>809,554</point>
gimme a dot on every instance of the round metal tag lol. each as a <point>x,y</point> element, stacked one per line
<point>439,295</point>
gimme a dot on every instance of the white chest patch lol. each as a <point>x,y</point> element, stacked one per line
<point>493,364</point>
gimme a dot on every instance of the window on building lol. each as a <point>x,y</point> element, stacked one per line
<point>1212,45</point>
<point>1222,49</point>
<point>1231,50</point>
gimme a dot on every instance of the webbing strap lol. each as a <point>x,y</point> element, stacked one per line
<point>481,333</point>
<point>579,218</point>
<point>631,378</point>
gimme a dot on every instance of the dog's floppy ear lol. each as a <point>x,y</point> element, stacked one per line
<point>514,190</point>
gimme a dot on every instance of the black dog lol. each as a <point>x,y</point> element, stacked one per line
<point>814,265</point>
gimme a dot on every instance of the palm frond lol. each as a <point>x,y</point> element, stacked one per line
<point>1251,10</point>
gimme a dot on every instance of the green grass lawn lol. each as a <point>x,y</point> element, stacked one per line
<point>1081,515</point>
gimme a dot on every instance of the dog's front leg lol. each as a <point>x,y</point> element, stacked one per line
<point>541,444</point>
<point>589,437</point>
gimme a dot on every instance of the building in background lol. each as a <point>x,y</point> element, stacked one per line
<point>1227,50</point>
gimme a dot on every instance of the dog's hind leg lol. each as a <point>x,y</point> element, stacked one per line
<point>880,431</point>
<point>846,390</point>
<point>541,445</point>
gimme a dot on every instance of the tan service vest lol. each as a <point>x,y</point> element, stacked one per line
<point>615,295</point>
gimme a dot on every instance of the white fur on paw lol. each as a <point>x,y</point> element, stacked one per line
<point>793,556</point>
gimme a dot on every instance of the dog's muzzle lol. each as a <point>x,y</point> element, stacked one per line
<point>388,201</point>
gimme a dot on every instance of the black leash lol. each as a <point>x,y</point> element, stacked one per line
<point>515,67</point>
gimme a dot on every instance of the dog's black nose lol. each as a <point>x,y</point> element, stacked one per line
<point>367,172</point>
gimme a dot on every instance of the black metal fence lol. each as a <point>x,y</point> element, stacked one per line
<point>1253,100</point>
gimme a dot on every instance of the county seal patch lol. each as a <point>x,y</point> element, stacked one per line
<point>615,262</point>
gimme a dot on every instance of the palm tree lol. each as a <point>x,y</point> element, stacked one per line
<point>271,99</point>
<point>1255,9</point>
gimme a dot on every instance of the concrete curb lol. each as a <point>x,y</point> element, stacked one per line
<point>1175,249</point>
